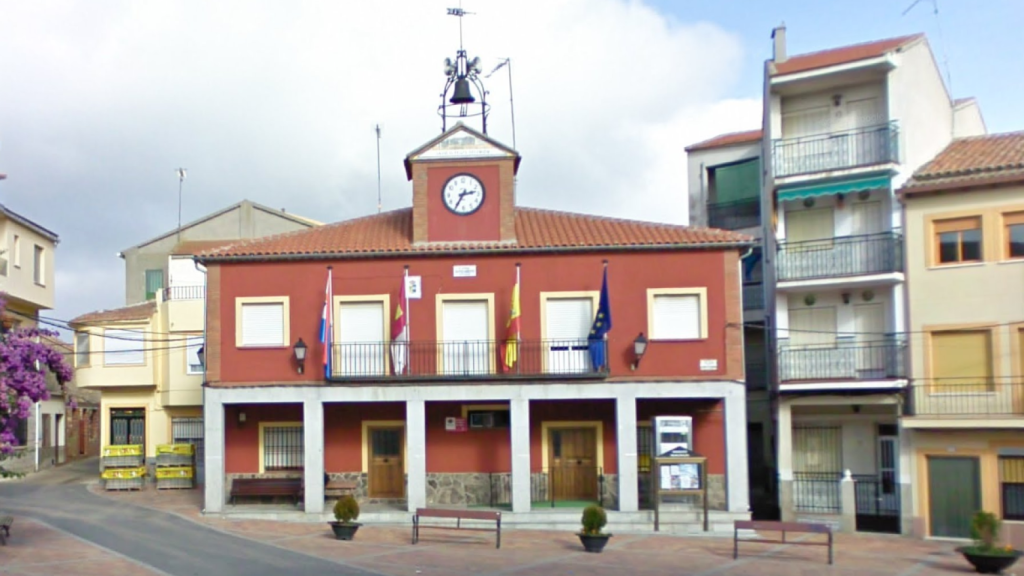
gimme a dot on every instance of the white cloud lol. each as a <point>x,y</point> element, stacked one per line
<point>276,102</point>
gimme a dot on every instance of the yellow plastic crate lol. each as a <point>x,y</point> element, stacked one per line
<point>124,450</point>
<point>179,449</point>
<point>176,472</point>
<point>123,473</point>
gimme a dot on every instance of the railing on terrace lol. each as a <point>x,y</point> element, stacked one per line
<point>841,256</point>
<point>197,292</point>
<point>836,150</point>
<point>753,296</point>
<point>841,361</point>
<point>981,399</point>
<point>817,492</point>
<point>735,215</point>
<point>476,360</point>
<point>552,485</point>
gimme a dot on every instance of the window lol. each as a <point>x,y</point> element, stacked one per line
<point>16,251</point>
<point>677,313</point>
<point>567,323</point>
<point>1014,241</point>
<point>812,327</point>
<point>817,449</point>
<point>193,344</point>
<point>961,361</point>
<point>154,283</point>
<point>806,225</point>
<point>281,446</point>
<point>123,347</point>
<point>465,332</point>
<point>1011,484</point>
<point>958,240</point>
<point>38,273</point>
<point>82,349</point>
<point>21,433</point>
<point>261,322</point>
<point>361,349</point>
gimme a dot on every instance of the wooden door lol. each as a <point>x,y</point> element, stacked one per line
<point>387,473</point>
<point>573,457</point>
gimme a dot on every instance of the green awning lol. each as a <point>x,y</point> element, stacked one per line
<point>833,188</point>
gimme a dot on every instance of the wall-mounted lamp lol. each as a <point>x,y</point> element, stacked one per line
<point>300,354</point>
<point>241,418</point>
<point>808,202</point>
<point>201,354</point>
<point>639,349</point>
<point>846,297</point>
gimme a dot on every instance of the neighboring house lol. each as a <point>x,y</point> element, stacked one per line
<point>442,420</point>
<point>964,224</point>
<point>145,357</point>
<point>842,128</point>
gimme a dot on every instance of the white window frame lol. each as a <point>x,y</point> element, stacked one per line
<point>39,267</point>
<point>193,344</point>
<point>257,300</point>
<point>545,297</point>
<point>16,257</point>
<point>338,362</point>
<point>82,352</point>
<point>700,292</point>
<point>439,302</point>
<point>120,335</point>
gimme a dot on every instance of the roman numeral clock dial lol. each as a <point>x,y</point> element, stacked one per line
<point>463,194</point>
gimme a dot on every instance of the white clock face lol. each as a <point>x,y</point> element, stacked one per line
<point>463,194</point>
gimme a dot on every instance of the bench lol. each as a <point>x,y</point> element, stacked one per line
<point>5,528</point>
<point>257,487</point>
<point>783,527</point>
<point>335,488</point>
<point>459,516</point>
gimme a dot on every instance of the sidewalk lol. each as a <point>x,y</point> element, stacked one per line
<point>37,549</point>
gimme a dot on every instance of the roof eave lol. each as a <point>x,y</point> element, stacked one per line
<point>884,60</point>
<point>967,184</point>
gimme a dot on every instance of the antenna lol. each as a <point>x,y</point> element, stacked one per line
<point>181,180</point>
<point>377,128</point>
<point>459,13</point>
<point>511,104</point>
<point>942,39</point>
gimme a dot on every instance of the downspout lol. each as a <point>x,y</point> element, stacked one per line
<point>202,269</point>
<point>703,200</point>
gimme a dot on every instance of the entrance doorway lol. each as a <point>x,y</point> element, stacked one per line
<point>573,459</point>
<point>954,495</point>
<point>386,466</point>
<point>128,427</point>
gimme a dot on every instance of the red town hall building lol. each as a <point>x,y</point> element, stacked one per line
<point>448,417</point>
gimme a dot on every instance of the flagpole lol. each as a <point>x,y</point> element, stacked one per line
<point>519,324</point>
<point>405,304</point>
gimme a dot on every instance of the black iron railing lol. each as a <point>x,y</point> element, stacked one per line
<point>841,256</point>
<point>735,215</point>
<point>841,361</point>
<point>483,359</point>
<point>836,150</point>
<point>965,399</point>
<point>817,492</point>
<point>197,292</point>
<point>753,296</point>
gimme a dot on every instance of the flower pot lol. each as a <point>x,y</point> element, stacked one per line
<point>594,542</point>
<point>344,531</point>
<point>989,562</point>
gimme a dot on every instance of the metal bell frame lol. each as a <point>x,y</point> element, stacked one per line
<point>461,74</point>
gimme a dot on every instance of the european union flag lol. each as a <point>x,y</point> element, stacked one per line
<point>602,324</point>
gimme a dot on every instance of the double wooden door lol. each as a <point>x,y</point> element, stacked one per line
<point>387,471</point>
<point>573,458</point>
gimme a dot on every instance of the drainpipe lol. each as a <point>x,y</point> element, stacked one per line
<point>202,269</point>
<point>39,437</point>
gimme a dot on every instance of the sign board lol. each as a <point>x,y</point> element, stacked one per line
<point>453,424</point>
<point>466,271</point>
<point>682,476</point>
<point>707,365</point>
<point>413,287</point>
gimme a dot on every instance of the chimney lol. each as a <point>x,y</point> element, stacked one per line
<point>779,43</point>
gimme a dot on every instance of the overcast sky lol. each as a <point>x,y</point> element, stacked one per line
<point>276,102</point>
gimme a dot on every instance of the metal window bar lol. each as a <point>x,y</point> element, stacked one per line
<point>864,146</point>
<point>817,492</point>
<point>954,399</point>
<point>843,361</point>
<point>196,292</point>
<point>840,256</point>
<point>735,215</point>
<point>283,448</point>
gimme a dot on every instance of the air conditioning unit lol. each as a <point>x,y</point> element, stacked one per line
<point>481,419</point>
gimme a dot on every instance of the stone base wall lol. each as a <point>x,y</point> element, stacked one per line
<point>462,489</point>
<point>716,494</point>
<point>610,492</point>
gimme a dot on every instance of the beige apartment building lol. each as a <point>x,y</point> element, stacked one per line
<point>964,410</point>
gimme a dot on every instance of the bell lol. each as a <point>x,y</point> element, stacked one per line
<point>462,94</point>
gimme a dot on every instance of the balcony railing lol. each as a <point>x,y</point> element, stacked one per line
<point>840,257</point>
<point>981,399</point>
<point>753,296</point>
<point>197,292</point>
<point>475,360</point>
<point>836,150</point>
<point>735,215</point>
<point>855,361</point>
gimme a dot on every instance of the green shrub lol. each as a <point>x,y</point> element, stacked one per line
<point>346,509</point>
<point>594,518</point>
<point>985,529</point>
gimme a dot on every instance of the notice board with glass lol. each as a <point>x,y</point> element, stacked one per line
<point>679,476</point>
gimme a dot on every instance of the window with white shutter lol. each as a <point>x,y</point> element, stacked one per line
<point>567,323</point>
<point>360,343</point>
<point>123,347</point>
<point>465,329</point>
<point>261,322</point>
<point>677,313</point>
<point>82,354</point>
<point>192,347</point>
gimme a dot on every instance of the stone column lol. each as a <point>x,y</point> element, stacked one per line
<point>785,461</point>
<point>737,479</point>
<point>847,503</point>
<point>520,430</point>
<point>416,451</point>
<point>313,441</point>
<point>213,459</point>
<point>625,437</point>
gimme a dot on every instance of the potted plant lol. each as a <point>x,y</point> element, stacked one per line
<point>594,519</point>
<point>985,555</point>
<point>346,511</point>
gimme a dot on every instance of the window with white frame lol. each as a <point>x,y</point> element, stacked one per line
<point>262,324</point>
<point>81,348</point>
<point>360,345</point>
<point>678,314</point>
<point>567,323</point>
<point>123,347</point>
<point>465,326</point>
<point>283,447</point>
<point>38,263</point>
<point>16,251</point>
<point>193,344</point>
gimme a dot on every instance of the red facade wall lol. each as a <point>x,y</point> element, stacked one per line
<point>444,226</point>
<point>242,440</point>
<point>476,450</point>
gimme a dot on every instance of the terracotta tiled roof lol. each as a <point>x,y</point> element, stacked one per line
<point>970,162</point>
<point>193,247</point>
<point>726,140</point>
<point>141,311</point>
<point>842,55</point>
<point>391,233</point>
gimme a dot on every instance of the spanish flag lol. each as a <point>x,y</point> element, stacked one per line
<point>512,335</point>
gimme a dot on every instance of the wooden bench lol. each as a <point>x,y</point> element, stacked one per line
<point>257,487</point>
<point>5,528</point>
<point>783,527</point>
<point>459,516</point>
<point>335,488</point>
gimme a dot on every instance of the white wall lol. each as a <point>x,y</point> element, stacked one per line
<point>967,120</point>
<point>832,297</point>
<point>843,216</point>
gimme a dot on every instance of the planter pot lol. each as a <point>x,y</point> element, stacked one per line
<point>594,542</point>
<point>988,563</point>
<point>344,531</point>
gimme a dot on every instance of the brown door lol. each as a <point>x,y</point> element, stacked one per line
<point>573,460</point>
<point>81,433</point>
<point>387,477</point>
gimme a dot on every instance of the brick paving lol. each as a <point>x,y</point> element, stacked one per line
<point>37,549</point>
<point>385,549</point>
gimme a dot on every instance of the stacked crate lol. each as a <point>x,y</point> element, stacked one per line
<point>175,466</point>
<point>123,467</point>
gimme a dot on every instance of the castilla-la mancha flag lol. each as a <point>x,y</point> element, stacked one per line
<point>400,334</point>
<point>511,349</point>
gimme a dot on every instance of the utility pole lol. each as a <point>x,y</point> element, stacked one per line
<point>181,180</point>
<point>377,128</point>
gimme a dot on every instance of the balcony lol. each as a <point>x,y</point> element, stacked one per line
<point>840,257</point>
<point>753,296</point>
<point>972,400</point>
<point>735,215</point>
<point>477,360</point>
<point>842,150</point>
<point>197,292</point>
<point>848,362</point>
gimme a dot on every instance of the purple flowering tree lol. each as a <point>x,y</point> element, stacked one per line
<point>25,361</point>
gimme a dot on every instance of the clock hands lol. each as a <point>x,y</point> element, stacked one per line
<point>462,195</point>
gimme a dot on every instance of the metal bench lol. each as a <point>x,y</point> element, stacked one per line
<point>5,528</point>
<point>783,527</point>
<point>259,487</point>
<point>459,516</point>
